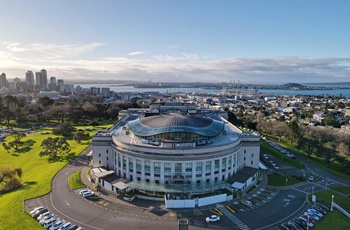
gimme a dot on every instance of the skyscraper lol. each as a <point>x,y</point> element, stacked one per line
<point>3,81</point>
<point>38,79</point>
<point>29,78</point>
<point>44,79</point>
<point>41,79</point>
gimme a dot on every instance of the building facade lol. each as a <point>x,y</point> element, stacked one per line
<point>175,149</point>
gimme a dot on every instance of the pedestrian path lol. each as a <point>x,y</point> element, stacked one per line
<point>232,217</point>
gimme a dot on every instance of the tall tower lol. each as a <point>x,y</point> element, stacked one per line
<point>44,79</point>
<point>3,81</point>
<point>29,78</point>
<point>53,84</point>
<point>38,79</point>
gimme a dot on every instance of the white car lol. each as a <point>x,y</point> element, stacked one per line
<point>212,218</point>
<point>315,212</point>
<point>88,194</point>
<point>65,226</point>
<point>43,215</point>
<point>36,209</point>
<point>57,225</point>
<point>311,178</point>
<point>81,192</point>
<point>46,218</point>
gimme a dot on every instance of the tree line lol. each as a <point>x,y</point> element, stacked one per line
<point>326,142</point>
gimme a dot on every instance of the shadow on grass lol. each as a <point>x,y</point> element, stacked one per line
<point>26,148</point>
<point>68,157</point>
<point>28,183</point>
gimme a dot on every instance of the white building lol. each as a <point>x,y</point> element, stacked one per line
<point>175,151</point>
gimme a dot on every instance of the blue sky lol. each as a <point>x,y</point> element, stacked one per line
<point>162,40</point>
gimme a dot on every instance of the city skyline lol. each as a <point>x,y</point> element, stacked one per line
<point>207,41</point>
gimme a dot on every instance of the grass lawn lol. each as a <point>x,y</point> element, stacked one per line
<point>278,180</point>
<point>342,189</point>
<point>37,175</point>
<point>75,182</point>
<point>325,197</point>
<point>333,220</point>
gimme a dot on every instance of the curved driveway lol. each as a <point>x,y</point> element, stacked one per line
<point>113,213</point>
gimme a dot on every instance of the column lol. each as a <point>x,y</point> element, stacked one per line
<point>162,172</point>
<point>194,171</point>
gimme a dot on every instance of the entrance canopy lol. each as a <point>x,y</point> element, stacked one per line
<point>237,185</point>
<point>121,185</point>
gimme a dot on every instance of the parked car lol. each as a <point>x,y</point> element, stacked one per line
<point>57,225</point>
<point>212,218</point>
<point>313,211</point>
<point>322,206</point>
<point>81,192</point>
<point>311,178</point>
<point>311,215</point>
<point>275,166</point>
<point>36,209</point>
<point>46,218</point>
<point>41,216</point>
<point>73,227</point>
<point>66,226</point>
<point>50,222</point>
<point>39,212</point>
<point>88,194</point>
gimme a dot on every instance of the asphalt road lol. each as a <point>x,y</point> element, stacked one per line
<point>99,213</point>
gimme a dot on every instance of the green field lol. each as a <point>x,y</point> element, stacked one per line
<point>278,180</point>
<point>333,220</point>
<point>37,175</point>
<point>75,182</point>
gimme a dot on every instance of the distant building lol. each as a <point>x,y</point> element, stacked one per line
<point>95,90</point>
<point>29,78</point>
<point>44,78</point>
<point>51,94</point>
<point>53,84</point>
<point>105,92</point>
<point>3,81</point>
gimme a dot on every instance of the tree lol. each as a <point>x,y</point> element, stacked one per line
<point>10,178</point>
<point>328,151</point>
<point>293,131</point>
<point>17,139</point>
<point>65,129</point>
<point>10,106</point>
<point>81,135</point>
<point>45,101</point>
<point>53,147</point>
<point>309,143</point>
<point>343,149</point>
<point>279,129</point>
<point>233,119</point>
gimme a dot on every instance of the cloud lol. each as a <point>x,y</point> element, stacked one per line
<point>53,50</point>
<point>136,53</point>
<point>58,60</point>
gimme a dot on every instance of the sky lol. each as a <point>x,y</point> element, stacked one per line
<point>270,41</point>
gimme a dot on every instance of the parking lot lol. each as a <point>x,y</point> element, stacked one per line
<point>257,199</point>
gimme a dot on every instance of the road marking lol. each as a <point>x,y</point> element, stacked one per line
<point>67,203</point>
<point>300,190</point>
<point>286,204</point>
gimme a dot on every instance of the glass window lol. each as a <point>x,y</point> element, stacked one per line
<point>138,166</point>
<point>147,167</point>
<point>178,167</point>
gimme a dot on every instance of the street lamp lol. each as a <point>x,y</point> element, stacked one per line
<point>332,203</point>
